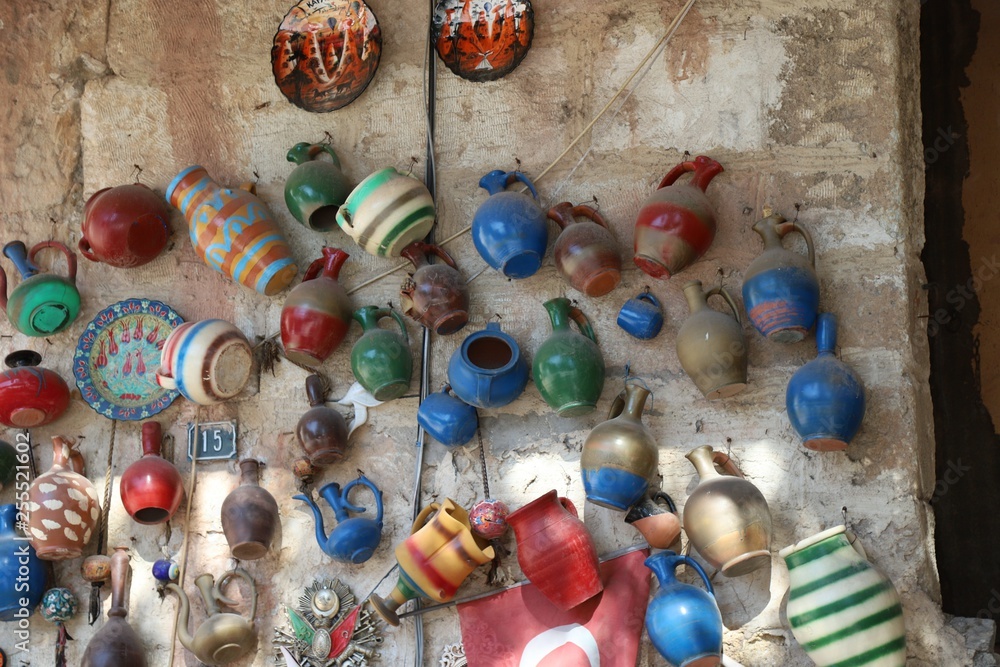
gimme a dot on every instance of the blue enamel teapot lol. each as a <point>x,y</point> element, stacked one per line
<point>355,539</point>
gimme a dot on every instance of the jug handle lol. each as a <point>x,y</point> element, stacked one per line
<point>248,187</point>
<point>675,173</point>
<point>518,176</point>
<point>375,491</point>
<point>316,149</point>
<point>563,214</point>
<point>569,506</point>
<point>83,245</point>
<point>422,517</point>
<point>617,405</point>
<point>722,460</point>
<point>224,579</point>
<point>662,495</point>
<point>439,252</point>
<point>582,323</point>
<point>691,562</point>
<point>646,295</point>
<point>788,227</point>
<point>383,313</point>
<point>70,257</point>
<point>724,293</point>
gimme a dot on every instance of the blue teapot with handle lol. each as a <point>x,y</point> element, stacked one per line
<point>487,369</point>
<point>354,540</point>
<point>509,229</point>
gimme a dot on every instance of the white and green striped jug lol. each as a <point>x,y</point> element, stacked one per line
<point>387,212</point>
<point>842,611</point>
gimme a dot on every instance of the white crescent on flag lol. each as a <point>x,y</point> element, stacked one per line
<point>545,643</point>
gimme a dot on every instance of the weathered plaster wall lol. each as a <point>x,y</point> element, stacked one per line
<point>807,104</point>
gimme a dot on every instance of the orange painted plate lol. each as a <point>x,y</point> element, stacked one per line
<point>483,40</point>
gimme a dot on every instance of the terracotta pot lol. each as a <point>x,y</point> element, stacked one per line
<point>64,507</point>
<point>151,488</point>
<point>586,253</point>
<point>568,367</point>
<point>124,226</point>
<point>96,568</point>
<point>249,515</point>
<point>317,312</point>
<point>116,644</point>
<point>555,551</point>
<point>659,525</point>
<point>30,395</point>
<point>321,431</point>
<point>711,346</point>
<point>435,295</point>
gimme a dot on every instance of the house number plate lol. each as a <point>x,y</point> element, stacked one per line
<point>215,441</point>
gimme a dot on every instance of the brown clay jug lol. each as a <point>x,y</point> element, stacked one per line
<point>435,295</point>
<point>249,515</point>
<point>710,344</point>
<point>116,644</point>
<point>322,431</point>
<point>727,518</point>
<point>585,253</point>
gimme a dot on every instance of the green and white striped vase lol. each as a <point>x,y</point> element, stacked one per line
<point>387,212</point>
<point>842,611</point>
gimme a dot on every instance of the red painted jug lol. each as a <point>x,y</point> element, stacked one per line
<point>29,394</point>
<point>124,226</point>
<point>676,225</point>
<point>317,313</point>
<point>151,488</point>
<point>555,551</point>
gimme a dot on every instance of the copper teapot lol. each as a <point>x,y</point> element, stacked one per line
<point>224,636</point>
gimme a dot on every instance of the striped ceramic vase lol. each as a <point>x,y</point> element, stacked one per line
<point>387,212</point>
<point>207,362</point>
<point>842,611</point>
<point>233,232</point>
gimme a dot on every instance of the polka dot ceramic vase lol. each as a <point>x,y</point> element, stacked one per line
<point>842,610</point>
<point>63,509</point>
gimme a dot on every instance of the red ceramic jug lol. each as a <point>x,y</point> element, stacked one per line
<point>555,551</point>
<point>586,253</point>
<point>124,226</point>
<point>317,313</point>
<point>29,394</point>
<point>151,487</point>
<point>676,225</point>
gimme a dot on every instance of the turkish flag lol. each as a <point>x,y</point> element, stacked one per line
<point>520,627</point>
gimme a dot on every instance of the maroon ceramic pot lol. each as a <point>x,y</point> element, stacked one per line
<point>151,487</point>
<point>586,253</point>
<point>322,431</point>
<point>435,295</point>
<point>125,226</point>
<point>317,313</point>
<point>29,394</point>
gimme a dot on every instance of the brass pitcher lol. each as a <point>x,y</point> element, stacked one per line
<point>727,518</point>
<point>224,636</point>
<point>710,344</point>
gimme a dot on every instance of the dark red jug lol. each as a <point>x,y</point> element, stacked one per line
<point>29,394</point>
<point>586,253</point>
<point>317,312</point>
<point>435,295</point>
<point>151,488</point>
<point>125,226</point>
<point>321,431</point>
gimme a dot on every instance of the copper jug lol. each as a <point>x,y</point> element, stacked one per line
<point>710,344</point>
<point>224,636</point>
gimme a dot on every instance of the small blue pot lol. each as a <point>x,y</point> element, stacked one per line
<point>641,317</point>
<point>447,419</point>
<point>487,370</point>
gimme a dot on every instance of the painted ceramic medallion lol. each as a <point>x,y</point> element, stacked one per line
<point>117,357</point>
<point>325,53</point>
<point>483,40</point>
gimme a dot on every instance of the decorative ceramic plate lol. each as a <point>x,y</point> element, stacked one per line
<point>325,53</point>
<point>483,40</point>
<point>117,357</point>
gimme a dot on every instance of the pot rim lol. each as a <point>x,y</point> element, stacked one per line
<point>507,339</point>
<point>810,541</point>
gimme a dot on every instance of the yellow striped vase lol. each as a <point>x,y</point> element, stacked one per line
<point>387,212</point>
<point>842,611</point>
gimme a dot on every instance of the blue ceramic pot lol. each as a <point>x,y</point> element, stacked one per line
<point>487,370</point>
<point>447,419</point>
<point>641,317</point>
<point>18,585</point>
<point>683,621</point>
<point>825,398</point>
<point>354,540</point>
<point>509,229</point>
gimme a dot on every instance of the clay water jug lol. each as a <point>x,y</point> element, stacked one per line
<point>233,232</point>
<point>780,288</point>
<point>568,367</point>
<point>683,621</point>
<point>710,344</point>
<point>726,518</point>
<point>555,550</point>
<point>387,212</point>
<point>487,370</point>
<point>224,636</point>
<point>676,225</point>
<point>316,188</point>
<point>124,226</point>
<point>435,295</point>
<point>30,395</point>
<point>659,525</point>
<point>317,312</point>
<point>620,456</point>
<point>18,559</point>
<point>354,539</point>
<point>841,610</point>
<point>43,303</point>
<point>381,358</point>
<point>151,488</point>
<point>116,644</point>
<point>509,228</point>
<point>322,431</point>
<point>585,252</point>
<point>63,504</point>
<point>249,515</point>
<point>825,398</point>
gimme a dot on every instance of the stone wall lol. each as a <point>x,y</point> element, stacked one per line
<point>812,108</point>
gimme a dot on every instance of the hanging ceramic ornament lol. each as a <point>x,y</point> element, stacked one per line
<point>325,53</point>
<point>483,40</point>
<point>58,606</point>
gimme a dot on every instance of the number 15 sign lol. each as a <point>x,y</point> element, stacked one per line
<point>214,441</point>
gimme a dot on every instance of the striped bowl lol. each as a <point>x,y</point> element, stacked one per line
<point>387,212</point>
<point>207,362</point>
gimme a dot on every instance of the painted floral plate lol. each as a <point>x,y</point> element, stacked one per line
<point>483,40</point>
<point>117,357</point>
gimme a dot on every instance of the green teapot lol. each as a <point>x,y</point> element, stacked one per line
<point>44,303</point>
<point>569,368</point>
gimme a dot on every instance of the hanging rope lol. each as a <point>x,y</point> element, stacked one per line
<point>95,608</point>
<point>182,566</point>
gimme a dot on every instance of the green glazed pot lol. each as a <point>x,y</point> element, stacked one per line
<point>568,368</point>
<point>381,358</point>
<point>44,303</point>
<point>316,188</point>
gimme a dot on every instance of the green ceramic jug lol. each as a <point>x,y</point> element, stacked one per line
<point>44,303</point>
<point>569,368</point>
<point>381,358</point>
<point>316,188</point>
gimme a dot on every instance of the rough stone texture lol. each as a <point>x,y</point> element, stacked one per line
<point>809,105</point>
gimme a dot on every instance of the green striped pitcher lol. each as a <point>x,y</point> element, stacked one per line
<point>842,611</point>
<point>386,212</point>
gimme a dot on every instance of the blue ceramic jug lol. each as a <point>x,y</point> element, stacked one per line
<point>354,539</point>
<point>641,317</point>
<point>684,622</point>
<point>447,419</point>
<point>487,370</point>
<point>509,229</point>
<point>825,399</point>
<point>16,584</point>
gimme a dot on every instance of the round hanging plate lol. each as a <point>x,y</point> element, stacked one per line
<point>483,40</point>
<point>117,357</point>
<point>325,53</point>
